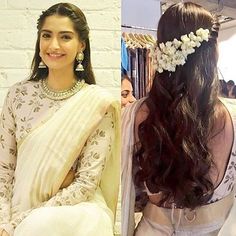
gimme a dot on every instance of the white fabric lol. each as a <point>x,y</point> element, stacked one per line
<point>40,140</point>
<point>206,220</point>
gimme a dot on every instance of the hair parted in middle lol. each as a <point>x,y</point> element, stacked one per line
<point>174,158</point>
<point>80,26</point>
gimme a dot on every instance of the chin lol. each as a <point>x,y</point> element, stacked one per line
<point>50,67</point>
<point>58,66</point>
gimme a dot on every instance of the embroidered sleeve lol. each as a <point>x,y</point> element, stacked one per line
<point>7,160</point>
<point>91,163</point>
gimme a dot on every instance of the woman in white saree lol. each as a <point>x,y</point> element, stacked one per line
<point>178,145</point>
<point>59,139</point>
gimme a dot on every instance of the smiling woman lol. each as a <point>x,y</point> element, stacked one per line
<point>59,44</point>
<point>126,91</point>
<point>63,43</point>
<point>59,138</point>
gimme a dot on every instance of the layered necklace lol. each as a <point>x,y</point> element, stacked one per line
<point>62,94</point>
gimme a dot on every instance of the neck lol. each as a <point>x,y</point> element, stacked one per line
<point>58,80</point>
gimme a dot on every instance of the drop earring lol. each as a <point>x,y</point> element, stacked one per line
<point>42,65</point>
<point>80,58</point>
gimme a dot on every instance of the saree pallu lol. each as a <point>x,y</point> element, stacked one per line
<point>46,155</point>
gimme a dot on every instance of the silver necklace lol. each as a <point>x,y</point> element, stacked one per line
<point>63,94</point>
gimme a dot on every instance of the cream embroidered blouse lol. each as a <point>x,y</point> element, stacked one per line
<point>25,108</point>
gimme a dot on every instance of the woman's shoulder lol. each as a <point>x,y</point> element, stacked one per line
<point>230,106</point>
<point>100,92</point>
<point>142,113</point>
<point>135,105</point>
<point>228,102</point>
<point>19,91</point>
<point>137,109</point>
<point>22,87</point>
<point>100,89</point>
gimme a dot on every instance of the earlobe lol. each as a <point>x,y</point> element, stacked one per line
<point>83,46</point>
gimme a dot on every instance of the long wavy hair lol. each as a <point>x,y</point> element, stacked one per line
<point>81,27</point>
<point>173,156</point>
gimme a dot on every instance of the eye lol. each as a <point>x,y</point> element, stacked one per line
<point>124,94</point>
<point>45,35</point>
<point>66,37</point>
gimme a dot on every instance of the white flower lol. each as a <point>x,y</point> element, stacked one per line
<point>168,44</point>
<point>203,33</point>
<point>168,55</point>
<point>162,46</point>
<point>192,36</point>
<point>177,43</point>
<point>171,51</point>
<point>185,38</point>
<point>193,44</point>
<point>179,58</point>
<point>160,70</point>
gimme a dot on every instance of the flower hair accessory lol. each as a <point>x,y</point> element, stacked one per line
<point>168,55</point>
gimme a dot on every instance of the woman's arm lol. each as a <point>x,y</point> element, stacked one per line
<point>92,161</point>
<point>7,161</point>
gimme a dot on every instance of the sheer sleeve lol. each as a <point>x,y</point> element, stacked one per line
<point>91,163</point>
<point>7,160</point>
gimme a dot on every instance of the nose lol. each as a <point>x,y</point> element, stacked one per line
<point>132,99</point>
<point>54,44</point>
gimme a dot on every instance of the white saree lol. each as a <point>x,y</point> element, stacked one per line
<point>86,128</point>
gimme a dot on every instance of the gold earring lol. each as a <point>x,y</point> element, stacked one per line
<point>42,65</point>
<point>80,58</point>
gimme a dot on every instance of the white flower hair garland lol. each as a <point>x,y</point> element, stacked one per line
<point>173,53</point>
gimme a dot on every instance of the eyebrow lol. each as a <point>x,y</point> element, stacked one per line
<point>61,32</point>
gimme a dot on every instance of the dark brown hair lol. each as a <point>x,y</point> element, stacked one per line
<point>81,27</point>
<point>126,77</point>
<point>174,157</point>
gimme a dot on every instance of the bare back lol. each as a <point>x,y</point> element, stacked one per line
<point>220,145</point>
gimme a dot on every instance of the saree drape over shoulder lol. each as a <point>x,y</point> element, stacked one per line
<point>84,134</point>
<point>156,221</point>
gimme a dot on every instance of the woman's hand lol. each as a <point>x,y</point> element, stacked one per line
<point>3,232</point>
<point>68,180</point>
